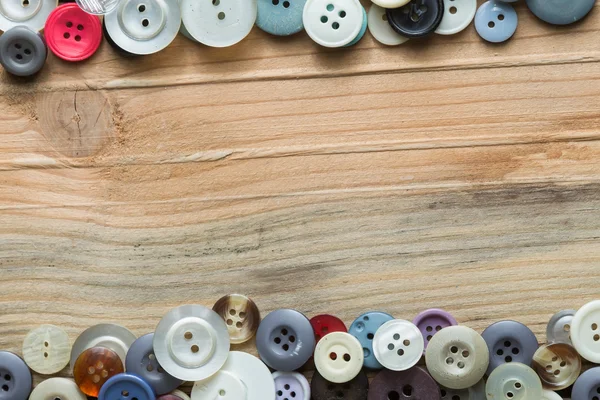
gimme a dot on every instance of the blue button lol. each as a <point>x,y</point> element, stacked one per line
<point>126,387</point>
<point>362,30</point>
<point>560,12</point>
<point>280,17</point>
<point>496,21</point>
<point>363,328</point>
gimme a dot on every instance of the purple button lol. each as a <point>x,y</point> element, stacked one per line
<point>291,385</point>
<point>432,321</point>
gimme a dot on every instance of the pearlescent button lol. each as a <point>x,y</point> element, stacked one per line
<point>586,386</point>
<point>475,392</point>
<point>114,337</point>
<point>557,364</point>
<point>398,345</point>
<point>457,357</point>
<point>280,17</point>
<point>191,342</point>
<point>338,357</point>
<point>47,349</point>
<point>241,316</point>
<point>57,388</point>
<point>413,383</point>
<point>496,21</point>
<point>322,389</point>
<point>585,331</point>
<point>380,28</point>
<point>418,18</point>
<point>97,7</point>
<point>509,341</point>
<point>94,367</point>
<point>458,14</point>
<point>291,385</point>
<point>363,328</point>
<point>15,377</point>
<point>22,51</point>
<point>559,327</point>
<point>514,381</point>
<point>174,395</point>
<point>125,387</point>
<point>253,374</point>
<point>550,395</point>
<point>432,321</point>
<point>560,12</point>
<point>31,14</point>
<point>333,23</point>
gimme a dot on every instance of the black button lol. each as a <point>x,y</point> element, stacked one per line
<point>418,18</point>
<point>413,384</point>
<point>356,389</point>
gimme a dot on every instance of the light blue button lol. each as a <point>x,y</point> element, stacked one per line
<point>363,328</point>
<point>280,17</point>
<point>362,30</point>
<point>126,387</point>
<point>560,12</point>
<point>496,21</point>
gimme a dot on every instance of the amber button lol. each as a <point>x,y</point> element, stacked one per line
<point>94,367</point>
<point>240,314</point>
<point>557,364</point>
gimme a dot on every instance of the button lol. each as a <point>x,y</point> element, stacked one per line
<point>143,26</point>
<point>285,340</point>
<point>363,30</point>
<point>191,342</point>
<point>514,381</point>
<point>381,29</point>
<point>113,44</point>
<point>15,377</point>
<point>363,328</point>
<point>72,34</point>
<point>458,14</point>
<point>47,349</point>
<point>142,362</point>
<point>356,389</point>
<point>457,357</point>
<point>475,392</point>
<point>241,316</point>
<point>325,323</point>
<point>495,21</point>
<point>243,370</point>
<point>587,385</point>
<point>57,388</point>
<point>292,385</point>
<point>114,337</point>
<point>398,345</point>
<point>418,18</point>
<point>550,395</point>
<point>413,383</point>
<point>31,14</point>
<point>557,364</point>
<point>509,341</point>
<point>559,327</point>
<point>432,321</point>
<point>97,7</point>
<point>174,395</point>
<point>333,23</point>
<point>22,51</point>
<point>390,3</point>
<point>125,387</point>
<point>585,331</point>
<point>94,367</point>
<point>560,12</point>
<point>339,357</point>
<point>280,17</point>
<point>219,23</point>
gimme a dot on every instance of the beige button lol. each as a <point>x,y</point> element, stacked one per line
<point>557,364</point>
<point>513,381</point>
<point>47,349</point>
<point>57,388</point>
<point>339,357</point>
<point>457,357</point>
<point>240,314</point>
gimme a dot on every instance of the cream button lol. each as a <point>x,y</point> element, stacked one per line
<point>391,3</point>
<point>57,388</point>
<point>550,395</point>
<point>513,381</point>
<point>398,345</point>
<point>31,14</point>
<point>223,385</point>
<point>338,357</point>
<point>47,349</point>
<point>585,331</point>
<point>381,29</point>
<point>112,336</point>
<point>457,357</point>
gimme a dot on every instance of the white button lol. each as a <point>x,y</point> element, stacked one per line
<point>458,14</point>
<point>398,345</point>
<point>339,357</point>
<point>457,357</point>
<point>191,342</point>
<point>47,349</point>
<point>550,395</point>
<point>219,23</point>
<point>144,26</point>
<point>97,7</point>
<point>292,385</point>
<point>57,388</point>
<point>112,336</point>
<point>585,331</point>
<point>513,381</point>
<point>381,29</point>
<point>391,3</point>
<point>333,23</point>
<point>243,377</point>
<point>30,13</point>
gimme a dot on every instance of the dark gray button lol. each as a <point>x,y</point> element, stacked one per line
<point>560,12</point>
<point>509,341</point>
<point>285,340</point>
<point>417,18</point>
<point>559,327</point>
<point>22,51</point>
<point>15,377</point>
<point>587,385</point>
<point>141,361</point>
<point>414,384</point>
<point>356,389</point>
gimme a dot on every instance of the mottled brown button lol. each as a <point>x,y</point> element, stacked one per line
<point>413,384</point>
<point>241,316</point>
<point>557,364</point>
<point>356,389</point>
<point>94,367</point>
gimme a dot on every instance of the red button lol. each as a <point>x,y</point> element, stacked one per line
<point>72,34</point>
<point>325,323</point>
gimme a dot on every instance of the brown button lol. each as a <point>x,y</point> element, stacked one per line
<point>356,389</point>
<point>93,367</point>
<point>557,364</point>
<point>241,316</point>
<point>414,384</point>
